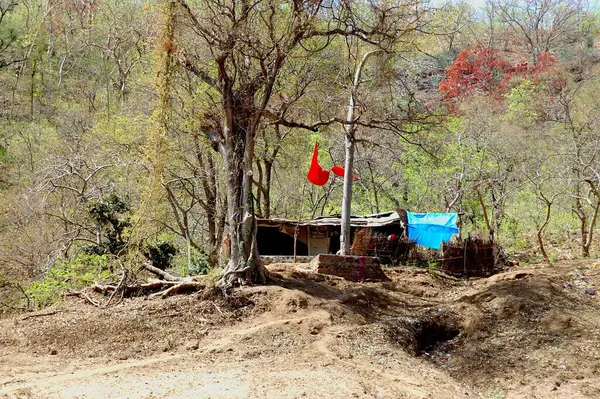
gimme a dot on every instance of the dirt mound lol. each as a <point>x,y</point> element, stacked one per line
<point>134,328</point>
<point>530,328</point>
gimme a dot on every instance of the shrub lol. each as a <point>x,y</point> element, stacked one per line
<point>197,265</point>
<point>67,274</point>
<point>161,254</point>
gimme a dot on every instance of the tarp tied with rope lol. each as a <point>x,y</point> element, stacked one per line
<point>431,229</point>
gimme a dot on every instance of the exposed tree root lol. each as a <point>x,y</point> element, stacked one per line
<point>39,315</point>
<point>83,295</point>
<point>135,289</point>
<point>161,273</point>
<point>176,289</point>
<point>167,285</point>
<point>152,289</point>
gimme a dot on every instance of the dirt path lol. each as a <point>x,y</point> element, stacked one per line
<point>221,370</point>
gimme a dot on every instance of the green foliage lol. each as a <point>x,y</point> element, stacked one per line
<point>496,393</point>
<point>161,254</point>
<point>111,214</point>
<point>65,275</point>
<point>432,265</point>
<point>212,277</point>
<point>197,264</point>
<point>70,107</point>
<point>519,107</point>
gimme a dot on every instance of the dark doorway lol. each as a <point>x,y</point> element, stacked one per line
<point>271,241</point>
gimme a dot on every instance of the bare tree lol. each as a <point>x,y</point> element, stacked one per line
<point>271,147</point>
<point>579,117</point>
<point>547,187</point>
<point>8,34</point>
<point>195,199</point>
<point>543,24</point>
<point>349,143</point>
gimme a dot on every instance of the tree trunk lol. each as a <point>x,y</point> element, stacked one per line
<point>263,187</point>
<point>259,188</point>
<point>244,265</point>
<point>208,179</point>
<point>485,213</point>
<point>345,239</point>
<point>540,234</point>
<point>374,188</point>
<point>267,197</point>
<point>589,233</point>
<point>350,130</point>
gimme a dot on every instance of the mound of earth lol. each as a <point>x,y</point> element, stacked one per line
<point>531,332</point>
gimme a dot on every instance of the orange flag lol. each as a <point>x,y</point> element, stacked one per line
<point>316,174</point>
<point>338,170</point>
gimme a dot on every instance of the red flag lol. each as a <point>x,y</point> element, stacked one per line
<point>338,170</point>
<point>316,174</point>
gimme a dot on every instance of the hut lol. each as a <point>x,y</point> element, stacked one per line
<point>321,235</point>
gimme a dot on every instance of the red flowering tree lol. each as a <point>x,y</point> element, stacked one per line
<point>483,70</point>
<point>475,70</point>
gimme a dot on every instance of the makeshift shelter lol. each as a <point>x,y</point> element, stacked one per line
<point>394,237</point>
<point>321,235</point>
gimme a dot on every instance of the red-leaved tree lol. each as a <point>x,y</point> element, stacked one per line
<point>483,70</point>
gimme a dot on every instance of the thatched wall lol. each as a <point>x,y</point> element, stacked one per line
<point>472,257</point>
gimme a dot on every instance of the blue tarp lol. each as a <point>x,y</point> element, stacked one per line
<point>431,229</point>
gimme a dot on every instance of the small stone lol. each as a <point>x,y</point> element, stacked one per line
<point>192,345</point>
<point>53,352</point>
<point>590,291</point>
<point>315,329</point>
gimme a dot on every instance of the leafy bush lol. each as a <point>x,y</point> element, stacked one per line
<point>212,277</point>
<point>198,264</point>
<point>161,254</point>
<point>67,274</point>
<point>112,215</point>
<point>432,265</point>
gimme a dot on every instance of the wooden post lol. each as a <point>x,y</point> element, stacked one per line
<point>485,214</point>
<point>465,256</point>
<point>295,241</point>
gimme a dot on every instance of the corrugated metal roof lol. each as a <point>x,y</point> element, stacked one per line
<point>373,220</point>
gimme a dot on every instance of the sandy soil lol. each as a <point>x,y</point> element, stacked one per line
<point>530,332</point>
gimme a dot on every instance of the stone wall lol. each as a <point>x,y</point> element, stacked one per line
<point>269,259</point>
<point>353,268</point>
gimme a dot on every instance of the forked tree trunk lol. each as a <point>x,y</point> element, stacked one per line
<point>588,234</point>
<point>345,241</point>
<point>244,265</point>
<point>587,225</point>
